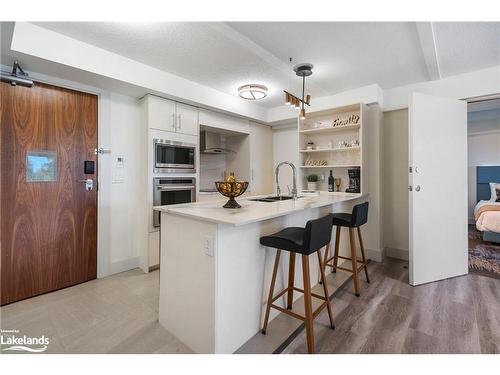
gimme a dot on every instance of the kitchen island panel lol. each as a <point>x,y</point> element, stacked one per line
<point>187,281</point>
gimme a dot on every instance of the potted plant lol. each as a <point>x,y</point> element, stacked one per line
<point>312,181</point>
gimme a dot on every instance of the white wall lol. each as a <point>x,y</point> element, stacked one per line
<point>373,230</point>
<point>122,135</point>
<point>483,149</point>
<point>468,85</point>
<point>395,183</point>
<point>285,147</point>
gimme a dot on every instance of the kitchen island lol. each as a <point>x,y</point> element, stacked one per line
<point>215,275</point>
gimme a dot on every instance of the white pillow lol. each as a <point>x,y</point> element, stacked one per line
<point>494,186</point>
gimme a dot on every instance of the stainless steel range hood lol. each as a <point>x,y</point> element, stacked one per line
<point>211,143</point>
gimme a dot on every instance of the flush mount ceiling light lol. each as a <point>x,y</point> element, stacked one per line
<point>252,92</point>
<point>302,70</point>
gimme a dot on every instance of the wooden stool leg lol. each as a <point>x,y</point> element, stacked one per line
<point>322,264</point>
<point>271,290</point>
<point>363,255</point>
<point>336,253</point>
<point>308,304</point>
<point>354,263</point>
<point>325,290</point>
<point>291,277</point>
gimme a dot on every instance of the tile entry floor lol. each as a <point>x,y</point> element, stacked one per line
<point>115,314</point>
<point>119,314</point>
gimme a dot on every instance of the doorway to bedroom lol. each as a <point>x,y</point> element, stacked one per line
<point>483,143</point>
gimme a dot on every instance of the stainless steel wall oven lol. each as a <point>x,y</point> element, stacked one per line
<point>172,190</point>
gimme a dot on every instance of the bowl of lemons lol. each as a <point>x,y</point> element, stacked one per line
<point>231,188</point>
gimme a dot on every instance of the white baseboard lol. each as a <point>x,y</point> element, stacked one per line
<point>396,253</point>
<point>123,265</point>
<point>375,255</point>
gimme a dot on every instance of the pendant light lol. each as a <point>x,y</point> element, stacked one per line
<point>302,70</point>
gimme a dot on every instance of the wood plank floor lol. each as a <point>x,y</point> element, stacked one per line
<point>459,315</point>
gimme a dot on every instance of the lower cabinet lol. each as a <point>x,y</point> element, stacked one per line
<point>154,249</point>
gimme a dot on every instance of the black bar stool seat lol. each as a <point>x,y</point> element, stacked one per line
<point>356,219</point>
<point>290,239</point>
<point>304,241</point>
<point>342,220</point>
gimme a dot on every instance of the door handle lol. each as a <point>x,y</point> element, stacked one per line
<point>417,188</point>
<point>179,119</point>
<point>173,121</point>
<point>89,184</point>
<point>101,151</point>
<point>166,188</point>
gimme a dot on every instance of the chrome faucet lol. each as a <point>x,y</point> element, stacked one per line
<point>294,189</point>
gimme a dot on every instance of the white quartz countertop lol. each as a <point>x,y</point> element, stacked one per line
<point>253,211</point>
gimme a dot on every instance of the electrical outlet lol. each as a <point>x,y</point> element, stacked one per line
<point>208,246</point>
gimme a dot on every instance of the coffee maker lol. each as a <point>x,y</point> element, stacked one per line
<point>354,180</point>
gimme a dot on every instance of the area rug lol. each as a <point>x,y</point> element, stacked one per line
<point>484,257</point>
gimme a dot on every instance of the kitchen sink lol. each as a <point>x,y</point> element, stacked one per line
<point>272,198</point>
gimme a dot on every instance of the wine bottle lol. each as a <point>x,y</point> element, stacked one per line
<point>330,182</point>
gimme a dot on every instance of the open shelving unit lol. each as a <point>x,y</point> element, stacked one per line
<point>330,166</point>
<point>330,129</point>
<point>335,149</point>
<point>329,140</point>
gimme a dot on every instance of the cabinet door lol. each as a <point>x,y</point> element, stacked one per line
<point>220,121</point>
<point>161,114</point>
<point>187,119</point>
<point>261,159</point>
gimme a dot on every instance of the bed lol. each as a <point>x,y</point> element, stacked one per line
<point>487,212</point>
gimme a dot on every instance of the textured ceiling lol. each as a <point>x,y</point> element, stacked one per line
<point>197,51</point>
<point>345,55</point>
<point>466,46</point>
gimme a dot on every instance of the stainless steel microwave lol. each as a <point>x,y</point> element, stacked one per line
<point>173,156</point>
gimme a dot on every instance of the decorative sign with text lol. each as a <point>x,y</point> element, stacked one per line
<point>351,120</point>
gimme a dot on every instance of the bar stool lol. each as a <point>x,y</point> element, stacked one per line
<point>304,241</point>
<point>358,217</point>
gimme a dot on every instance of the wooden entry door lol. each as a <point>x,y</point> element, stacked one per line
<point>48,217</point>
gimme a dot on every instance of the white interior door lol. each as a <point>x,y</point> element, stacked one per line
<point>438,183</point>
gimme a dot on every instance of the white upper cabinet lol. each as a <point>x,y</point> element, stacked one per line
<point>220,121</point>
<point>170,116</point>
<point>187,119</point>
<point>161,113</point>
